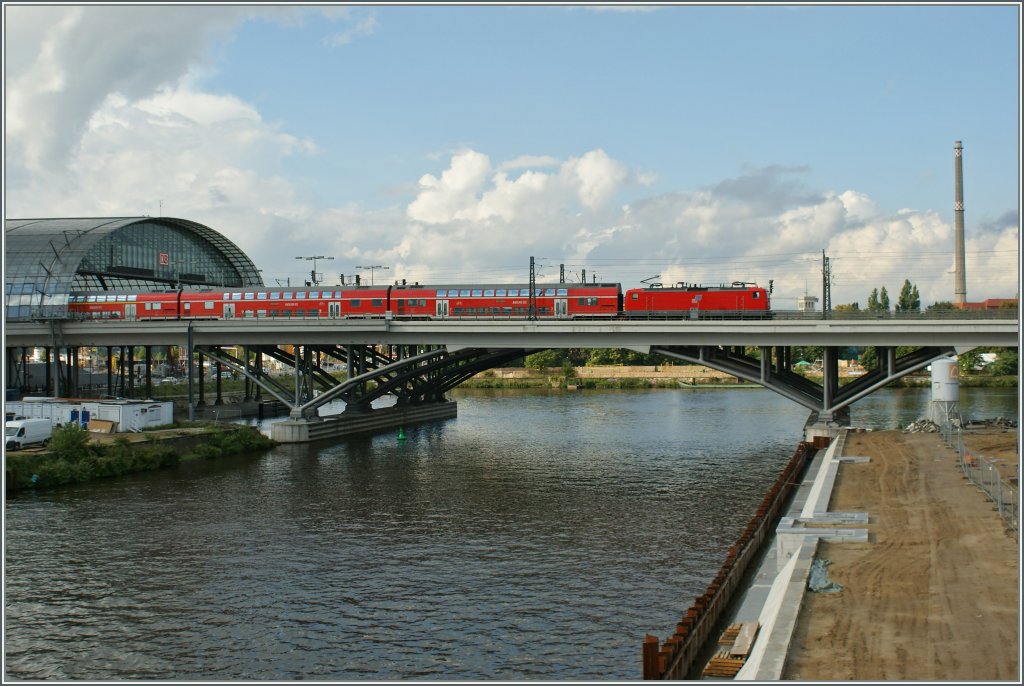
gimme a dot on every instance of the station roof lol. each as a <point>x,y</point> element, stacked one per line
<point>47,259</point>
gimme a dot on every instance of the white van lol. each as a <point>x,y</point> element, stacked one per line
<point>22,432</point>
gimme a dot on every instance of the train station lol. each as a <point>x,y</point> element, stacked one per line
<point>48,259</point>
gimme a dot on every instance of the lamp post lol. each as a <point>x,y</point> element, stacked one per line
<point>371,267</point>
<point>313,278</point>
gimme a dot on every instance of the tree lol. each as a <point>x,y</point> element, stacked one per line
<point>941,306</point>
<point>878,301</point>
<point>910,299</point>
<point>544,359</point>
<point>850,307</point>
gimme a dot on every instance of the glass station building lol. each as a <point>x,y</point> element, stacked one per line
<point>45,260</point>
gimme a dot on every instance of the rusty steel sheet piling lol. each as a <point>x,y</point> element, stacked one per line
<point>674,659</point>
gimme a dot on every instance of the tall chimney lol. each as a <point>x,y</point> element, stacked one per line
<point>960,286</point>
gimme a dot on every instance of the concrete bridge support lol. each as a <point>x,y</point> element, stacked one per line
<point>829,402</point>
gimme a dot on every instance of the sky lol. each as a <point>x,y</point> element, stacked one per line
<point>449,144</point>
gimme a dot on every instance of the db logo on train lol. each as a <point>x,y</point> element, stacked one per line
<point>165,259</point>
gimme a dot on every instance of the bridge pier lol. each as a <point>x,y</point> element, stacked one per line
<point>305,430</point>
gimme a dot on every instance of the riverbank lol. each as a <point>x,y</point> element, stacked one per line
<point>933,593</point>
<point>78,456</point>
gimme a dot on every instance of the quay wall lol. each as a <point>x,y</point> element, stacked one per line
<point>674,659</point>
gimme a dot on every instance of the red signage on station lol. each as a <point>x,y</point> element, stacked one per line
<point>165,260</point>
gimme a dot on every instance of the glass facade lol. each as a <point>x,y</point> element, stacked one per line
<point>47,259</point>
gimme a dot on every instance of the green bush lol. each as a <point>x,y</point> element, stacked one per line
<point>70,442</point>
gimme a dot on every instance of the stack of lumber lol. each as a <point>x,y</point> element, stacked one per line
<point>734,648</point>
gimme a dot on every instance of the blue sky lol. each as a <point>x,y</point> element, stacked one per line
<point>701,143</point>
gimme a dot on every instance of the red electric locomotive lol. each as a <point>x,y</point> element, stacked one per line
<point>738,300</point>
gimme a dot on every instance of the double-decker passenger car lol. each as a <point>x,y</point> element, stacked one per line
<point>505,301</point>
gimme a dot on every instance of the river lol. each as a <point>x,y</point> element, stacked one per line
<point>539,535</point>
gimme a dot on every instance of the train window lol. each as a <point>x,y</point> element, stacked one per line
<point>188,306</point>
<point>519,310</point>
<point>563,292</point>
<point>495,310</point>
<point>227,296</point>
<point>249,295</point>
<point>247,313</point>
<point>548,291</point>
<point>273,313</point>
<point>581,301</point>
<point>500,293</point>
<point>489,293</point>
<point>441,293</point>
<point>539,292</point>
<point>376,302</point>
<point>634,296</point>
<point>513,292</point>
<point>592,301</point>
<point>543,310</point>
<point>122,298</point>
<point>314,313</point>
<point>236,296</point>
<point>92,298</point>
<point>507,311</point>
<point>287,295</point>
<point>477,292</point>
<point>356,302</point>
<point>208,305</point>
<point>756,295</point>
<point>275,295</point>
<point>286,313</point>
<point>132,298</point>
<point>300,295</point>
<point>313,295</point>
<point>261,313</point>
<point>464,293</point>
<point>261,295</point>
<point>401,304</point>
<point>457,311</point>
<point>156,306</point>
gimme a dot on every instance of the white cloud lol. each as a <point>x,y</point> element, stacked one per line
<point>89,137</point>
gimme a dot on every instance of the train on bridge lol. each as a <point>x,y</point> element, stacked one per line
<point>738,300</point>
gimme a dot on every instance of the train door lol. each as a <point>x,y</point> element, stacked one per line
<point>229,310</point>
<point>333,310</point>
<point>442,309</point>
<point>129,311</point>
<point>561,308</point>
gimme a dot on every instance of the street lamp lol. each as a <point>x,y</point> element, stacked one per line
<point>313,278</point>
<point>371,267</point>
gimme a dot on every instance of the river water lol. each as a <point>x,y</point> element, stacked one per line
<point>539,535</point>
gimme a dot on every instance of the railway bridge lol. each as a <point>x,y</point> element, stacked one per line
<point>417,362</point>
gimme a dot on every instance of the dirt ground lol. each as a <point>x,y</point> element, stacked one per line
<point>934,594</point>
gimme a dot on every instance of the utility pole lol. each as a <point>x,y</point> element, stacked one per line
<point>314,279</point>
<point>533,289</point>
<point>371,267</point>
<point>826,286</point>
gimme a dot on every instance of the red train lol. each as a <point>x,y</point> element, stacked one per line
<point>496,301</point>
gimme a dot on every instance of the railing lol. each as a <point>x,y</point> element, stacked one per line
<point>984,474</point>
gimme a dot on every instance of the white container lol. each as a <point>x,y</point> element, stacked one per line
<point>945,381</point>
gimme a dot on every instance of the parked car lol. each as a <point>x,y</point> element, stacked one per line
<point>167,381</point>
<point>23,432</point>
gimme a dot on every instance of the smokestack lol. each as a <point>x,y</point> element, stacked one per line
<point>960,267</point>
